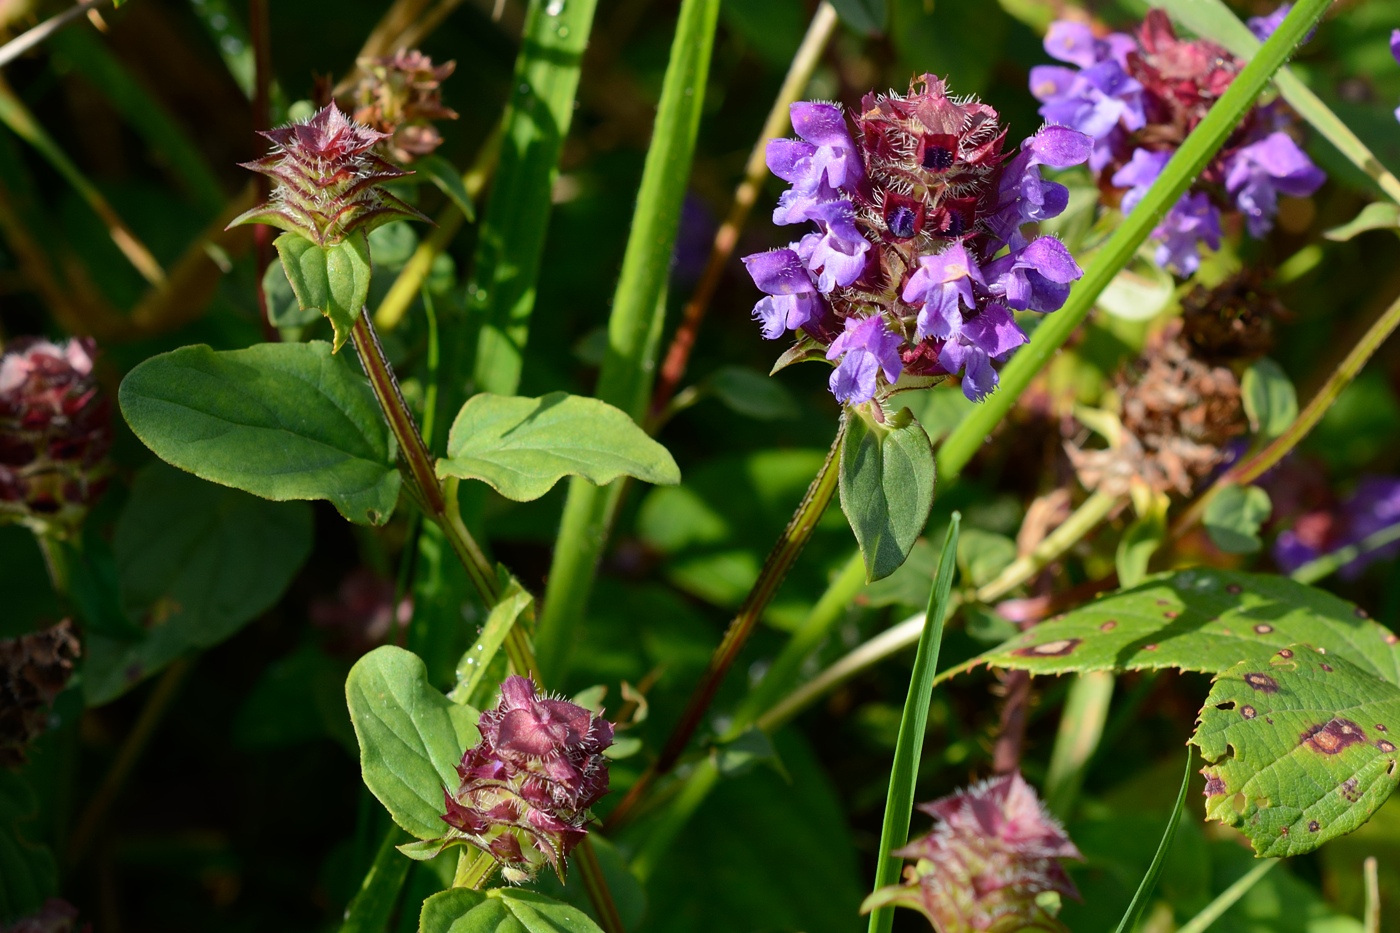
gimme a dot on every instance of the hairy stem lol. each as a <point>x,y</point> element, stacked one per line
<point>789,545</point>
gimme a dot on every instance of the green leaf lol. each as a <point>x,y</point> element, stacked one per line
<point>1269,398</point>
<point>1149,881</point>
<point>473,665</point>
<point>887,478</point>
<point>1379,215</point>
<point>867,16</point>
<point>1301,748</point>
<point>1201,620</point>
<point>750,393</point>
<point>899,802</point>
<point>283,309</point>
<point>521,447</point>
<point>411,737</point>
<point>282,421</point>
<point>1234,516</point>
<point>333,280</point>
<point>373,905</point>
<point>28,873</point>
<point>444,174</point>
<point>500,910</point>
<point>195,563</point>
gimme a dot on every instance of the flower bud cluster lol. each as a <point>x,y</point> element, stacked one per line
<point>1139,96</point>
<point>988,864</point>
<point>918,259</point>
<point>400,95</point>
<point>55,431</point>
<point>527,785</point>
<point>326,180</point>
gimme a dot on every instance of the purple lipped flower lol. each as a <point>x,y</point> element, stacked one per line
<point>526,787</point>
<point>792,297</point>
<point>1395,54</point>
<point>1138,175</point>
<point>1256,174</point>
<point>822,166</point>
<point>943,286</point>
<point>1264,26</point>
<point>837,253</point>
<point>1023,196</point>
<point>866,348</point>
<point>1192,221</point>
<point>1034,277</point>
<point>989,337</point>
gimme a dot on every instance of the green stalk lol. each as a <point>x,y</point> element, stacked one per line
<point>909,746</point>
<point>1081,729</point>
<point>1188,161</point>
<point>634,327</point>
<point>474,869</point>
<point>1227,898</point>
<point>505,270</point>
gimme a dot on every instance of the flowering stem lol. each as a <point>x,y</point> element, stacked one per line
<point>1188,161</point>
<point>419,462</point>
<point>799,74</point>
<point>789,545</point>
<point>474,869</point>
<point>1256,466</point>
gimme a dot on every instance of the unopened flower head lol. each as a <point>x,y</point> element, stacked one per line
<point>989,863</point>
<point>55,431</point>
<point>918,258</point>
<point>1139,96</point>
<point>327,180</point>
<point>400,95</point>
<point>527,785</point>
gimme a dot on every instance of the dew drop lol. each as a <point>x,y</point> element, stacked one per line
<point>554,8</point>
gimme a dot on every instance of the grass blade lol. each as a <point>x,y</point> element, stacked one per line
<point>373,905</point>
<point>1227,898</point>
<point>899,804</point>
<point>634,328</point>
<point>1149,881</point>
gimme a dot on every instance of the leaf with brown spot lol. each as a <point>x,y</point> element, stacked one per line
<point>1317,760</point>
<point>1201,620</point>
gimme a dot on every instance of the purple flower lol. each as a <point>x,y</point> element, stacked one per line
<point>941,281</point>
<point>992,852</point>
<point>837,253</point>
<point>866,348</point>
<point>527,785</point>
<point>986,338</point>
<point>1138,175</point>
<point>792,300</point>
<point>1192,221</point>
<point>1023,196</point>
<point>820,167</point>
<point>1256,174</point>
<point>1035,277</point>
<point>1264,26</point>
<point>1395,54</point>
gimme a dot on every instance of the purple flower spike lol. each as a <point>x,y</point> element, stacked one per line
<point>938,284</point>
<point>866,348</point>
<point>1258,173</point>
<point>986,338</point>
<point>527,785</point>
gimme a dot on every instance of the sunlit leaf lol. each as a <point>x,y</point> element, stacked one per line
<point>886,483</point>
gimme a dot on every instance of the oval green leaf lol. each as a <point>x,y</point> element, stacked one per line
<point>521,447</point>
<point>1269,398</point>
<point>333,280</point>
<point>411,737</point>
<point>1301,748</point>
<point>282,421</point>
<point>1201,620</point>
<point>886,483</point>
<point>1234,516</point>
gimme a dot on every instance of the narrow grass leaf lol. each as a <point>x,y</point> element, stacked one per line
<point>1149,881</point>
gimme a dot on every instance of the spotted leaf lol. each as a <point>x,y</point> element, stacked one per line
<point>1301,748</point>
<point>1201,620</point>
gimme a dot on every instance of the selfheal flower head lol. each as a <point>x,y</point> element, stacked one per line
<point>993,853</point>
<point>908,211</point>
<point>527,785</point>
<point>400,95</point>
<point>55,432</point>
<point>326,180</point>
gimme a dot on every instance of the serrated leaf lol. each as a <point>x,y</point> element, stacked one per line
<point>867,16</point>
<point>1234,516</point>
<point>1380,215</point>
<point>886,484</point>
<point>195,563</point>
<point>1269,398</point>
<point>1201,620</point>
<point>333,280</point>
<point>411,737</point>
<point>521,447</point>
<point>1300,746</point>
<point>279,420</point>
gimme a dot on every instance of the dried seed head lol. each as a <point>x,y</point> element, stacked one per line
<point>526,787</point>
<point>326,180</point>
<point>1233,321</point>
<point>34,669</point>
<point>55,431</point>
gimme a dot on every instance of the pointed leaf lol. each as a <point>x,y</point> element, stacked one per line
<point>333,280</point>
<point>1379,215</point>
<point>1201,620</point>
<point>886,483</point>
<point>1269,398</point>
<point>539,914</point>
<point>411,737</point>
<point>521,447</point>
<point>500,910</point>
<point>472,666</point>
<point>1234,516</point>
<point>282,421</point>
<point>1301,747</point>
